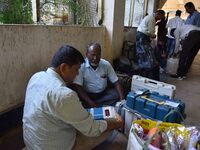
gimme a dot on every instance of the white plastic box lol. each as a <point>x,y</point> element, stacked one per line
<point>172,66</point>
<point>139,82</point>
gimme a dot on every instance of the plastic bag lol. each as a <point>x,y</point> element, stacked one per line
<point>137,143</point>
<point>177,136</point>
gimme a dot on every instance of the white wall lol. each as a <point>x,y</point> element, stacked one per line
<point>26,49</point>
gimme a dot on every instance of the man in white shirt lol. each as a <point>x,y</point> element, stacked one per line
<point>190,36</point>
<point>54,118</point>
<point>146,57</point>
<point>173,23</point>
<point>91,84</point>
<point>147,26</point>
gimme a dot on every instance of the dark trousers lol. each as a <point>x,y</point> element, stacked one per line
<point>108,97</point>
<point>191,46</point>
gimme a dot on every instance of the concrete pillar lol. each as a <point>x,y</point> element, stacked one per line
<point>114,22</point>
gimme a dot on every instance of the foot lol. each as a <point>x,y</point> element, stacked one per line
<point>181,77</point>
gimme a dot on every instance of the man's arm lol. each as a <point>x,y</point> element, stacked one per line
<point>83,95</point>
<point>119,90</point>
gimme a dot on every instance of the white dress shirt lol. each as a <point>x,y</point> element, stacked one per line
<point>53,114</point>
<point>147,26</point>
<point>95,81</point>
<point>175,22</point>
<point>181,33</point>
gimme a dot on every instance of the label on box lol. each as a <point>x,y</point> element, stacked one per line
<point>172,104</point>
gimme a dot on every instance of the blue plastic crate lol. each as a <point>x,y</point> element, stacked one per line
<point>155,106</point>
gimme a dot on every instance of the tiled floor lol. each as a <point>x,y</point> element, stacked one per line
<point>187,90</point>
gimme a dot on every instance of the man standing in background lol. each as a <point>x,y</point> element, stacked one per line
<point>194,15</point>
<point>173,23</point>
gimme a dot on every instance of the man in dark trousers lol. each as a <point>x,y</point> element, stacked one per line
<point>190,34</point>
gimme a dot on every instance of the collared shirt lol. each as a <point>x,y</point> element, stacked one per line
<point>181,33</point>
<point>53,114</point>
<point>193,19</point>
<point>147,26</point>
<point>95,81</point>
<point>175,22</point>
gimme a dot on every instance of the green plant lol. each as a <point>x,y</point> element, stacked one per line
<point>78,10</point>
<point>49,9</point>
<point>16,12</point>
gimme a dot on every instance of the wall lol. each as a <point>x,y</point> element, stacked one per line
<point>130,34</point>
<point>26,49</point>
<point>118,27</point>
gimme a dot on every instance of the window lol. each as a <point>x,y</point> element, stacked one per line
<point>135,10</point>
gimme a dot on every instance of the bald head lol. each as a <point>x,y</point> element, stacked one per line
<point>92,46</point>
<point>93,54</point>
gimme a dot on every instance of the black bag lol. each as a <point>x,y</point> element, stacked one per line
<point>123,64</point>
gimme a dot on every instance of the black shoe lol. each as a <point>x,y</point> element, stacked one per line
<point>174,76</point>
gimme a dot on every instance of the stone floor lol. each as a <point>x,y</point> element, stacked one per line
<point>187,90</point>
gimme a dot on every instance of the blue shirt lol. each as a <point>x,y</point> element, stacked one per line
<point>193,19</point>
<point>95,81</point>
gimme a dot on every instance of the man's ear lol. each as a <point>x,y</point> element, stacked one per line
<point>63,67</point>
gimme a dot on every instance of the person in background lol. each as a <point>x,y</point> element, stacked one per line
<point>91,84</point>
<point>161,41</point>
<point>194,15</point>
<point>173,23</point>
<point>146,31</point>
<point>53,117</point>
<point>190,36</point>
